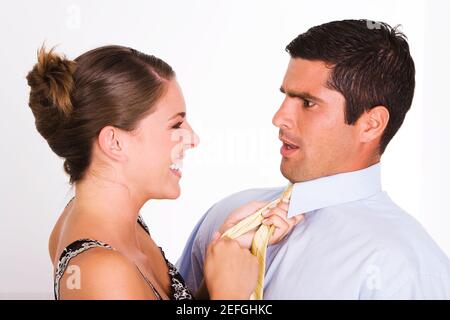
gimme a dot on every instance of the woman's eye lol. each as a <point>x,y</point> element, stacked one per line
<point>178,125</point>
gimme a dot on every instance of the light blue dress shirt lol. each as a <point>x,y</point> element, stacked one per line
<point>354,243</point>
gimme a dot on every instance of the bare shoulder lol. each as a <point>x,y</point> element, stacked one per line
<point>101,273</point>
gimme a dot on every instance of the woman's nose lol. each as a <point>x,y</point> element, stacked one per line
<point>195,140</point>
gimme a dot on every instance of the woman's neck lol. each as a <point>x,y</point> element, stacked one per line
<point>110,205</point>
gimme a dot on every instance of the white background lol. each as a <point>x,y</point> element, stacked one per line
<point>229,57</point>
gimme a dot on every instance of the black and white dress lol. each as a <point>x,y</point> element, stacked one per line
<point>180,290</point>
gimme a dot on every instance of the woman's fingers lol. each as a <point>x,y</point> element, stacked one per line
<point>230,271</point>
<point>281,208</point>
<point>277,212</point>
<point>281,228</point>
<point>248,209</point>
<point>277,217</point>
<point>297,218</point>
<point>240,213</point>
<point>215,236</point>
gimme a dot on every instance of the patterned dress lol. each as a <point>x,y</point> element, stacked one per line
<point>180,290</point>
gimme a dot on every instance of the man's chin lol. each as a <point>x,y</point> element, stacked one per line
<point>288,172</point>
<point>294,172</point>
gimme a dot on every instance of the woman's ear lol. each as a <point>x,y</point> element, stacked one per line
<point>111,142</point>
<point>372,123</point>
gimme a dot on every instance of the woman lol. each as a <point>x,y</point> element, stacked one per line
<point>118,118</point>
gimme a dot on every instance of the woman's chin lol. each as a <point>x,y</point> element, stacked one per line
<point>173,196</point>
<point>173,192</point>
<point>168,188</point>
<point>170,191</point>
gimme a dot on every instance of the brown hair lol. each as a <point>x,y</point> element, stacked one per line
<point>73,100</point>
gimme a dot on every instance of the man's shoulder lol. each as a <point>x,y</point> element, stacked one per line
<point>392,237</point>
<point>254,194</point>
<point>377,216</point>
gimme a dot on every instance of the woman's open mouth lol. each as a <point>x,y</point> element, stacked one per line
<point>175,168</point>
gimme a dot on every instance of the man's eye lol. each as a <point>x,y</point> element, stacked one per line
<point>308,104</point>
<point>178,125</point>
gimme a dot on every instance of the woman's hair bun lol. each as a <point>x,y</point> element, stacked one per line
<point>51,82</point>
<point>107,86</point>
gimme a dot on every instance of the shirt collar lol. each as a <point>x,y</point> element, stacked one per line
<point>333,190</point>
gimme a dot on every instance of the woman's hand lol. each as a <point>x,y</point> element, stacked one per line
<point>231,272</point>
<point>276,216</point>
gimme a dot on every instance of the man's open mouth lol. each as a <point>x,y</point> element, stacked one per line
<point>288,148</point>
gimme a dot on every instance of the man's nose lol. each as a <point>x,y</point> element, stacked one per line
<point>280,118</point>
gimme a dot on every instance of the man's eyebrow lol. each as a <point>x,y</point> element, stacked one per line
<point>301,95</point>
<point>181,114</point>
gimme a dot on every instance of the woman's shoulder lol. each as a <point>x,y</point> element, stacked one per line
<point>98,273</point>
<point>98,259</point>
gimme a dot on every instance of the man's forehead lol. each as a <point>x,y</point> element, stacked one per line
<point>306,75</point>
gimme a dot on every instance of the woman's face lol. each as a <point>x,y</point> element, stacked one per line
<point>156,147</point>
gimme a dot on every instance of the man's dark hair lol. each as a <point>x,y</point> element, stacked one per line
<point>371,66</point>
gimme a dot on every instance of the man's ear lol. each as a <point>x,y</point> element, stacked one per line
<point>372,123</point>
<point>111,143</point>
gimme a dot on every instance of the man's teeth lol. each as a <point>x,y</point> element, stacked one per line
<point>290,146</point>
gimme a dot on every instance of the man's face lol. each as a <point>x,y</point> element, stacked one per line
<point>316,140</point>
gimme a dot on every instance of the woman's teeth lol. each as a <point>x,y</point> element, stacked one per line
<point>175,166</point>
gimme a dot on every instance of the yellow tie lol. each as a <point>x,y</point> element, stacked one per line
<point>261,238</point>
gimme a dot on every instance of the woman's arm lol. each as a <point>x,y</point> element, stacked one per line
<point>230,270</point>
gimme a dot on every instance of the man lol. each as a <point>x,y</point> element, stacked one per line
<point>348,87</point>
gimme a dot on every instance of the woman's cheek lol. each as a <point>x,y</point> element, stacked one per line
<point>175,151</point>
